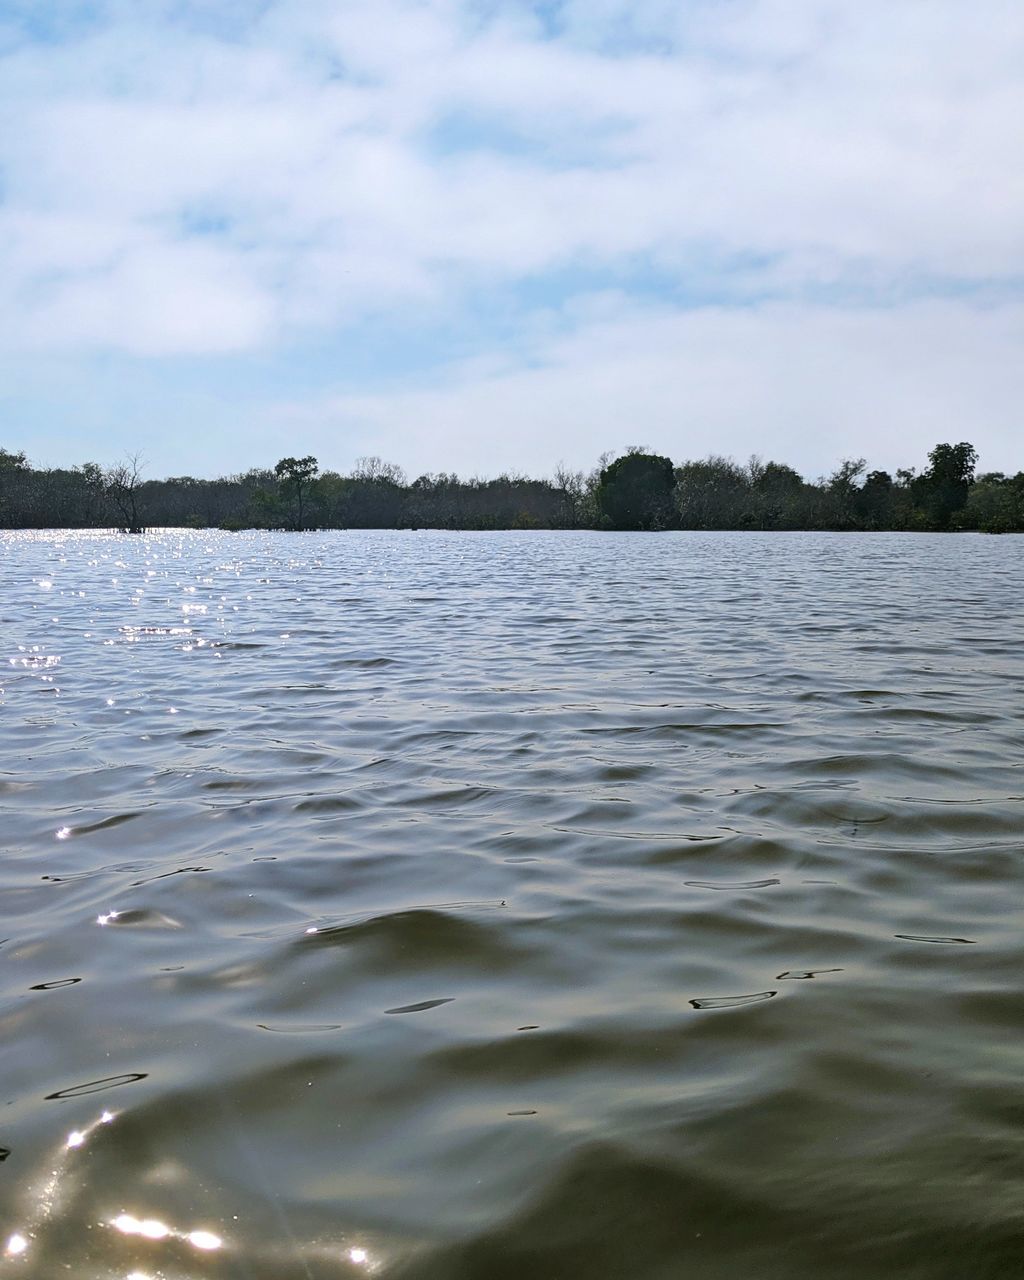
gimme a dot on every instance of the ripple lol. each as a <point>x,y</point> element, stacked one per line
<point>104,824</point>
<point>731,1002</point>
<point>98,1086</point>
<point>420,937</point>
<point>920,937</point>
<point>303,1028</point>
<point>564,779</point>
<point>421,1006</point>
<point>738,884</point>
<point>800,974</point>
<point>138,918</point>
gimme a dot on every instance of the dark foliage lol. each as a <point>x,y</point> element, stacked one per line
<point>943,489</point>
<point>638,490</point>
<point>635,492</point>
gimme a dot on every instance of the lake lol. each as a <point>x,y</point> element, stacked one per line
<point>517,905</point>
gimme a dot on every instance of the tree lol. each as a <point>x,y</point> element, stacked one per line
<point>713,493</point>
<point>953,463</point>
<point>13,469</point>
<point>635,491</point>
<point>942,490</point>
<point>843,490</point>
<point>91,484</point>
<point>776,491</point>
<point>571,489</point>
<point>376,471</point>
<point>995,504</point>
<point>375,494</point>
<point>295,476</point>
<point>874,501</point>
<point>122,488</point>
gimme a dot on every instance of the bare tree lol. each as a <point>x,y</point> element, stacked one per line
<point>121,484</point>
<point>377,471</point>
<point>571,485</point>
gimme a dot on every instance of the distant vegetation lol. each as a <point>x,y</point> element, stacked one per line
<point>638,490</point>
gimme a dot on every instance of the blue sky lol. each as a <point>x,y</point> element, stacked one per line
<point>476,235</point>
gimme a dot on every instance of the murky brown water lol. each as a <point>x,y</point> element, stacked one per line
<point>430,905</point>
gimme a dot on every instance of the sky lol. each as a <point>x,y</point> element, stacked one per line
<point>489,235</point>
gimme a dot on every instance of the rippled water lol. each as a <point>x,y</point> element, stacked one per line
<point>532,905</point>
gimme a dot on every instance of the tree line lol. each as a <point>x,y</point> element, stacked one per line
<point>637,490</point>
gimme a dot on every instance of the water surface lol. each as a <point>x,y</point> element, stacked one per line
<point>430,905</point>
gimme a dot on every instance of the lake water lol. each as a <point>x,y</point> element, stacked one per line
<point>516,905</point>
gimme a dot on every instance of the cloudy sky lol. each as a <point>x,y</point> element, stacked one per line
<point>475,235</point>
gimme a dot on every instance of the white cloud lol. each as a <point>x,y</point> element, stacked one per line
<point>172,292</point>
<point>180,178</point>
<point>854,133</point>
<point>803,385</point>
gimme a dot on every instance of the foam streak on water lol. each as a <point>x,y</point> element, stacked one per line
<point>431,905</point>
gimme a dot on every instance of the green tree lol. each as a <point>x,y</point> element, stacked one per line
<point>995,504</point>
<point>776,491</point>
<point>942,490</point>
<point>712,493</point>
<point>13,470</point>
<point>843,491</point>
<point>635,491</point>
<point>295,476</point>
<point>375,494</point>
<point>874,501</point>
